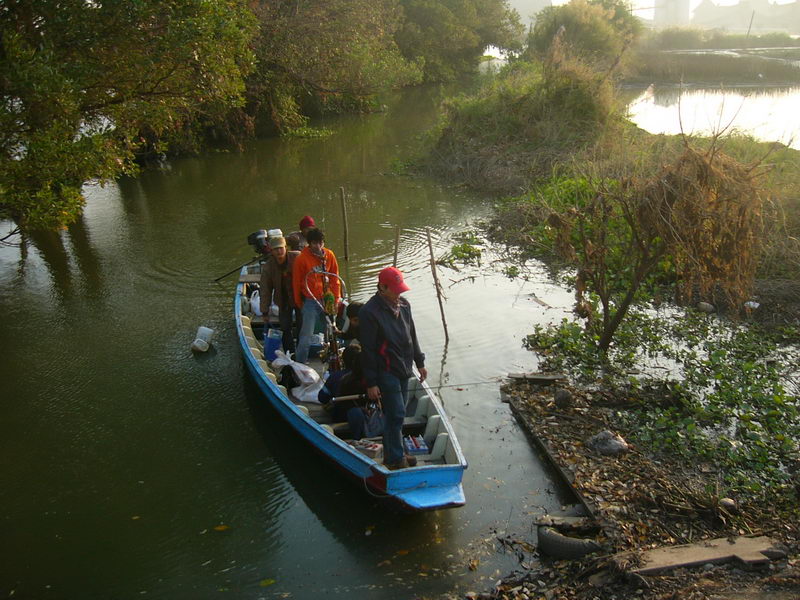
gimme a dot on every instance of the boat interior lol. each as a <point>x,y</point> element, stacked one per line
<point>425,433</point>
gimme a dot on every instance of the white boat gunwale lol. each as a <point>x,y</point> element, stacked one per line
<point>403,485</point>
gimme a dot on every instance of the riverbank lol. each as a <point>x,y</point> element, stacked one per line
<point>642,500</point>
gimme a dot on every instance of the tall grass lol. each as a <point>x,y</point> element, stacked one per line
<point>664,67</point>
<point>526,122</point>
<point>683,38</point>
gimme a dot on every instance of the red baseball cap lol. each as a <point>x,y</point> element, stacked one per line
<point>307,222</point>
<point>392,278</point>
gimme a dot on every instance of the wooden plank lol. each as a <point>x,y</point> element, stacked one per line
<point>567,477</point>
<point>544,378</point>
<point>751,550</point>
<point>250,278</point>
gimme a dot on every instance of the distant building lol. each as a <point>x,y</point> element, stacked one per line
<point>765,16</point>
<point>671,13</point>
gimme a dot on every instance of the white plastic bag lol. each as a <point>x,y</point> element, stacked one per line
<point>255,303</point>
<point>308,392</point>
<point>304,374</point>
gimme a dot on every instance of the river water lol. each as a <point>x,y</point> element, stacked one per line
<point>132,468</point>
<point>768,114</point>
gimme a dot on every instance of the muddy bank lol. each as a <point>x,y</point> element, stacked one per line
<point>643,501</point>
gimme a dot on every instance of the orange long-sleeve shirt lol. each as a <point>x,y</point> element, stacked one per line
<point>306,262</point>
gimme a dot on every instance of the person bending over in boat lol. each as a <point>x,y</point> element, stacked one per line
<point>276,286</point>
<point>324,289</point>
<point>350,334</point>
<point>348,381</point>
<point>390,349</point>
<point>297,239</point>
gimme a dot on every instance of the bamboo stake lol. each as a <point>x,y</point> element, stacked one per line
<point>396,244</point>
<point>437,285</point>
<point>346,228</point>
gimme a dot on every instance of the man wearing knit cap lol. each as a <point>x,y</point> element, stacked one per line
<point>389,351</point>
<point>297,239</point>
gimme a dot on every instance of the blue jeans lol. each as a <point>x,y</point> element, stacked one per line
<point>393,399</point>
<point>310,312</point>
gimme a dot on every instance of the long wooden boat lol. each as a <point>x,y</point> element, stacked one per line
<point>435,482</point>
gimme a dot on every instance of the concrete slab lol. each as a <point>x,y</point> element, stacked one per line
<point>540,378</point>
<point>751,550</point>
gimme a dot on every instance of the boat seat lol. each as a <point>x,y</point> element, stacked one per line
<point>411,426</point>
<point>316,411</point>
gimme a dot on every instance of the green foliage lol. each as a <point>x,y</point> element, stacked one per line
<point>464,253</point>
<point>334,54</point>
<point>711,68</point>
<point>595,31</point>
<point>685,38</point>
<point>520,124</point>
<point>309,132</point>
<point>448,37</point>
<point>81,81</point>
<point>726,404</point>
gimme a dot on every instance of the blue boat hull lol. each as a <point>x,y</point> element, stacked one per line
<point>422,488</point>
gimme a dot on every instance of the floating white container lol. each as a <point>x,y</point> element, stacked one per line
<point>202,341</point>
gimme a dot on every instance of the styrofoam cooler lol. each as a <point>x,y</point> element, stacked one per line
<point>272,343</point>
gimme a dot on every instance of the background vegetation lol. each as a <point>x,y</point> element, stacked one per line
<point>634,220</point>
<point>89,89</point>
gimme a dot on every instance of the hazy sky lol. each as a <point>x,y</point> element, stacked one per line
<point>527,8</point>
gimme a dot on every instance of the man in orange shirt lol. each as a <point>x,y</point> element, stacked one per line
<point>310,286</point>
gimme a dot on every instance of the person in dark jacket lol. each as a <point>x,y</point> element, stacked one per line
<point>350,334</point>
<point>389,351</point>
<point>347,382</point>
<point>297,239</point>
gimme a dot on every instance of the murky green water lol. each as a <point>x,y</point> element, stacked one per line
<point>132,468</point>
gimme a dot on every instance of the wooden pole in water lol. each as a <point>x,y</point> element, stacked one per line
<point>437,285</point>
<point>396,244</point>
<point>346,228</point>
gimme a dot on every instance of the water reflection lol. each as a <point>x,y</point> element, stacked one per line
<point>768,114</point>
<point>118,420</point>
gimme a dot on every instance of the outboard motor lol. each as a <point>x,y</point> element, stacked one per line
<point>258,239</point>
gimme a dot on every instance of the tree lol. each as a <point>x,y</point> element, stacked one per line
<point>595,31</point>
<point>449,36</point>
<point>335,51</point>
<point>698,221</point>
<point>81,80</point>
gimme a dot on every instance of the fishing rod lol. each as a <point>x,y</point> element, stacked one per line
<point>259,241</point>
<point>239,268</point>
<point>357,397</point>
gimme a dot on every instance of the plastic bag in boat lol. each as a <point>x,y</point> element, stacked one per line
<point>255,303</point>
<point>308,392</point>
<point>304,374</point>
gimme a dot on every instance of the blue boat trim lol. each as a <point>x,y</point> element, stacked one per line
<point>421,488</point>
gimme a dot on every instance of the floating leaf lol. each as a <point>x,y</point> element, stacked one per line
<point>402,552</point>
<point>266,582</point>
<point>221,527</point>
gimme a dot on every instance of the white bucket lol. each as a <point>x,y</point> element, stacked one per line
<point>202,341</point>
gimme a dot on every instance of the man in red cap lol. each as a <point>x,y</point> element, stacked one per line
<point>297,239</point>
<point>389,351</point>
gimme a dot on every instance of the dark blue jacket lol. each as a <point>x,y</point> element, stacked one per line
<point>388,343</point>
